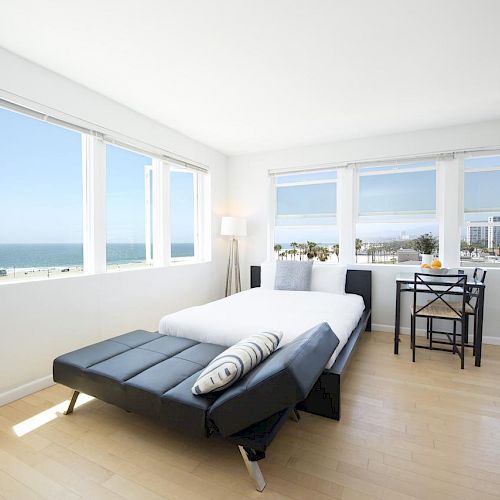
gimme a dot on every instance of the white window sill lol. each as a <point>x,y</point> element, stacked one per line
<point>80,274</point>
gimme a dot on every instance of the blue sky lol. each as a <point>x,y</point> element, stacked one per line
<point>41,187</point>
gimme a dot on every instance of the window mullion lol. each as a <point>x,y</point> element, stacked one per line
<point>161,213</point>
<point>345,214</point>
<point>94,206</point>
<point>449,203</point>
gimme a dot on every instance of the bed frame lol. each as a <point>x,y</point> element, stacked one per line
<point>324,398</point>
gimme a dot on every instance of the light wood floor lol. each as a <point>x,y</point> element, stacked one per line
<point>426,430</point>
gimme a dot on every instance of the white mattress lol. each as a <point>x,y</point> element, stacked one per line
<point>230,320</point>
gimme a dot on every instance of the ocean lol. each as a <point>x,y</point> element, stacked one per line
<point>36,256</point>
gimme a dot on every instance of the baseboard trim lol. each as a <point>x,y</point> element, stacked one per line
<point>26,389</point>
<point>421,332</point>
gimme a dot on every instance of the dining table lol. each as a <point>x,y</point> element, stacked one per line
<point>405,282</point>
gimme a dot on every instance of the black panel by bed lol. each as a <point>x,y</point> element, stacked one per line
<point>324,399</point>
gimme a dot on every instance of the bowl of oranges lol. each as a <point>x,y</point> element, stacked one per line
<point>435,267</point>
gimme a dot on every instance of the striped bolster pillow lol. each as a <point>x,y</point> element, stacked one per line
<point>236,361</point>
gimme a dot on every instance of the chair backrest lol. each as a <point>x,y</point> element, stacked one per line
<point>473,294</point>
<point>479,274</point>
<point>440,287</point>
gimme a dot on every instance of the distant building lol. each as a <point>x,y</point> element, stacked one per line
<point>477,234</point>
<point>493,231</point>
<point>484,233</point>
<point>407,254</point>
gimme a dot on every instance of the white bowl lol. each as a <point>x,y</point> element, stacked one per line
<point>441,270</point>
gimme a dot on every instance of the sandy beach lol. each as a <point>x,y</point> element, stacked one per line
<point>27,274</point>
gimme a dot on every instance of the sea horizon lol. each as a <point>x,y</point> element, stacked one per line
<point>70,255</point>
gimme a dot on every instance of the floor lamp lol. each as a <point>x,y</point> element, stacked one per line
<point>234,227</point>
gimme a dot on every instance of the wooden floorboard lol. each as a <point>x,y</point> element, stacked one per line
<point>424,430</point>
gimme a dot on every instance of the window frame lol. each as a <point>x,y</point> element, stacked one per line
<point>465,211</point>
<point>399,167</point>
<point>274,204</point>
<point>94,195</point>
<point>197,213</point>
<point>38,117</point>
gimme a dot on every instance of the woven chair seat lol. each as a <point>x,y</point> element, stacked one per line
<point>458,306</point>
<point>436,310</point>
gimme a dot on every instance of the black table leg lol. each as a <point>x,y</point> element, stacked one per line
<point>479,327</point>
<point>398,318</point>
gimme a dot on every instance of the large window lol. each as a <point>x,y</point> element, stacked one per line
<point>396,211</point>
<point>183,210</point>
<point>481,229</point>
<point>76,200</point>
<point>306,216</point>
<point>41,199</point>
<point>129,209</point>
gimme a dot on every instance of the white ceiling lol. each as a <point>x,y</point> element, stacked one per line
<point>252,75</point>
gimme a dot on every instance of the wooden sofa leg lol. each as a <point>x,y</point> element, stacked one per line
<point>253,469</point>
<point>71,405</point>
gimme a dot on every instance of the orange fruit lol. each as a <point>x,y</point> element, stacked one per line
<point>425,266</point>
<point>436,264</point>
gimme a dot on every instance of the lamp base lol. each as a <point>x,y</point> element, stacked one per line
<point>233,279</point>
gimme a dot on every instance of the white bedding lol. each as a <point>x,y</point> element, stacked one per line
<point>230,320</point>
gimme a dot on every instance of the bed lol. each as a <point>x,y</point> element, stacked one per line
<point>226,321</point>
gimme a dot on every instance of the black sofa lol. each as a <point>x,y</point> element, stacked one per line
<point>152,374</point>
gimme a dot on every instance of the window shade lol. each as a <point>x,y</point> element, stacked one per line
<point>482,184</point>
<point>398,193</point>
<point>307,200</point>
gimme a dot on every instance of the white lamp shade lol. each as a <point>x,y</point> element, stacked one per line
<point>233,226</point>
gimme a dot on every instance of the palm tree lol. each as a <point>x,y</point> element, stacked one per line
<point>293,251</point>
<point>302,249</point>
<point>322,253</point>
<point>277,248</point>
<point>358,245</point>
<point>311,250</point>
<point>336,250</point>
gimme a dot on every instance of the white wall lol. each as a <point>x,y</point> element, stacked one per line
<point>39,320</point>
<point>248,191</point>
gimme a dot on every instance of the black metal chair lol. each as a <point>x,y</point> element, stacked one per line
<point>441,307</point>
<point>472,300</point>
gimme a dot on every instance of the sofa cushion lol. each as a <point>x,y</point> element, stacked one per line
<point>142,372</point>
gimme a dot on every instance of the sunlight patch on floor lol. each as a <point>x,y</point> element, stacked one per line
<point>46,416</point>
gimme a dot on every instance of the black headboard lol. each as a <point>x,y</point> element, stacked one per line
<point>358,281</point>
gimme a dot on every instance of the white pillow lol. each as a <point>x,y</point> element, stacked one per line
<point>328,278</point>
<point>236,361</point>
<point>268,275</point>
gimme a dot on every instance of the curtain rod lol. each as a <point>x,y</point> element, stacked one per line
<point>388,161</point>
<point>106,135</point>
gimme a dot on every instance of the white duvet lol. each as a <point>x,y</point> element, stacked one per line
<point>230,320</point>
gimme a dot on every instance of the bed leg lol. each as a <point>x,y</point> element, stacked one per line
<point>71,405</point>
<point>253,468</point>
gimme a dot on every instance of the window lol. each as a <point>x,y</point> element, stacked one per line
<point>183,212</point>
<point>306,216</point>
<point>73,198</point>
<point>128,209</point>
<point>396,205</point>
<point>481,229</point>
<point>41,204</point>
